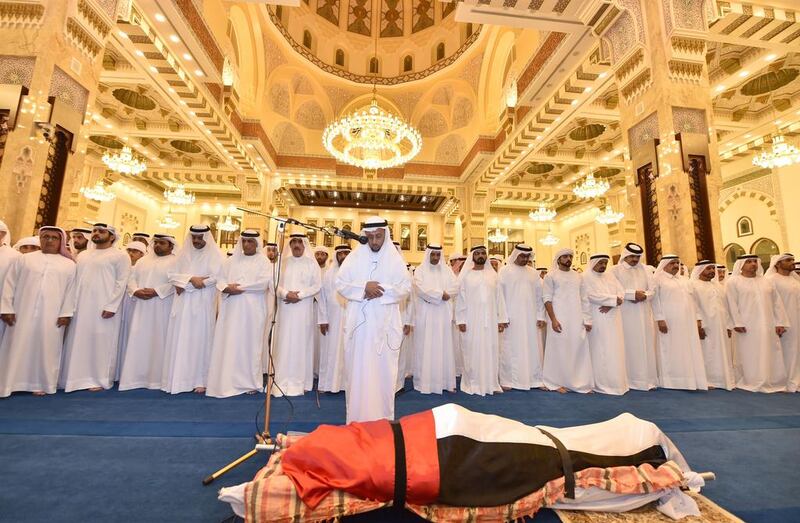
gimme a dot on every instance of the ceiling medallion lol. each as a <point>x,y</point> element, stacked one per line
<point>179,196</point>
<point>497,236</point>
<point>98,192</point>
<point>542,214</point>
<point>168,222</point>
<point>591,187</point>
<point>781,155</point>
<point>124,162</point>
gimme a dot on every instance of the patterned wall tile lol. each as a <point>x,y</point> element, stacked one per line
<point>17,70</point>
<point>64,87</point>
<point>423,15</point>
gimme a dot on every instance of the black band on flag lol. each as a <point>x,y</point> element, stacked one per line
<point>400,476</point>
<point>566,464</point>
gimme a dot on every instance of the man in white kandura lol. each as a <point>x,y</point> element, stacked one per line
<point>606,339</point>
<point>235,366</point>
<point>681,364</point>
<point>80,240</point>
<point>637,318</point>
<point>481,316</point>
<point>190,333</point>
<point>7,257</point>
<point>294,345</point>
<point>435,289</point>
<point>722,274</point>
<point>136,251</point>
<point>405,365</point>
<point>457,263</point>
<point>781,274</point>
<point>759,321</point>
<point>374,280</point>
<point>331,307</point>
<point>37,305</point>
<point>90,351</point>
<point>322,255</point>
<point>567,362</point>
<point>715,333</point>
<point>271,252</point>
<point>27,245</point>
<point>153,291</point>
<point>521,352</point>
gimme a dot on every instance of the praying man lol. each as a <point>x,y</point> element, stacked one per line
<point>712,309</point>
<point>80,239</point>
<point>7,257</point>
<point>331,308</point>
<point>322,256</point>
<point>28,244</point>
<point>271,252</point>
<point>781,274</point>
<point>136,251</point>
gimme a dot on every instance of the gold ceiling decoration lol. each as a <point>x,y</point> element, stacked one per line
<point>769,81</point>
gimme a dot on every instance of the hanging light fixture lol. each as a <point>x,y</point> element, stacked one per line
<point>550,239</point>
<point>98,192</point>
<point>124,162</point>
<point>607,216</point>
<point>591,187</point>
<point>781,155</point>
<point>372,137</point>
<point>179,196</point>
<point>168,222</point>
<point>542,214</point>
<point>497,236</point>
<point>228,225</point>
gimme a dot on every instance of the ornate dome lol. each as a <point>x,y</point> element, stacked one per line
<point>414,38</point>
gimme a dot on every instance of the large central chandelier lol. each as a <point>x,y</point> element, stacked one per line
<point>542,214</point>
<point>781,155</point>
<point>124,162</point>
<point>179,196</point>
<point>591,187</point>
<point>98,192</point>
<point>608,217</point>
<point>497,236</point>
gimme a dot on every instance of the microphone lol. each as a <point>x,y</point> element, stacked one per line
<point>349,235</point>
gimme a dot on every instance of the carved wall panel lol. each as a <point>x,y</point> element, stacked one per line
<point>50,195</point>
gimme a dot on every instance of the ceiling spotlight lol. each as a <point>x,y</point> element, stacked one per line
<point>174,38</point>
<point>160,18</point>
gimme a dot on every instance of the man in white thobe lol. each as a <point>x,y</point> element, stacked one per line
<point>271,252</point>
<point>331,307</point>
<point>637,318</point>
<point>435,287</point>
<point>567,361</point>
<point>781,274</point>
<point>7,257</point>
<point>322,256</point>
<point>680,356</point>
<point>136,251</point>
<point>153,291</point>
<point>722,273</point>
<point>606,339</point>
<point>457,263</point>
<point>142,237</point>
<point>405,365</point>
<point>90,351</point>
<point>521,351</point>
<point>37,305</point>
<point>759,322</point>
<point>27,245</point>
<point>296,329</point>
<point>715,333</point>
<point>481,317</point>
<point>80,240</point>
<point>239,334</point>
<point>190,333</point>
<point>374,280</point>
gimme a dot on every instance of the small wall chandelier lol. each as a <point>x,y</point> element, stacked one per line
<point>179,196</point>
<point>124,162</point>
<point>781,155</point>
<point>227,225</point>
<point>591,187</point>
<point>497,236</point>
<point>607,216</point>
<point>98,192</point>
<point>550,239</point>
<point>542,214</point>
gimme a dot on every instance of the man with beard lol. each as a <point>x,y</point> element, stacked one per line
<point>271,251</point>
<point>374,280</point>
<point>606,339</point>
<point>136,251</point>
<point>190,333</point>
<point>435,288</point>
<point>331,307</point>
<point>520,350</point>
<point>294,347</point>
<point>567,361</point>
<point>37,305</point>
<point>239,334</point>
<point>481,316</point>
<point>781,274</point>
<point>7,257</point>
<point>80,239</point>
<point>712,311</point>
<point>90,351</point>
<point>637,318</point>
<point>322,256</point>
<point>150,286</point>
<point>759,322</point>
<point>722,273</point>
<point>679,329</point>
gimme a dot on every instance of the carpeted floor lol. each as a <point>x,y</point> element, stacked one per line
<point>141,455</point>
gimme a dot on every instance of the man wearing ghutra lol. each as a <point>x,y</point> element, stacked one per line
<point>374,280</point>
<point>322,256</point>
<point>271,252</point>
<point>7,257</point>
<point>90,350</point>
<point>235,366</point>
<point>712,309</point>
<point>300,282</point>
<point>80,240</point>
<point>331,308</point>
<point>787,285</point>
<point>37,304</point>
<point>28,244</point>
<point>136,251</point>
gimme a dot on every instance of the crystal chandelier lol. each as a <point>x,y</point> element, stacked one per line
<point>550,239</point>
<point>179,196</point>
<point>782,154</point>
<point>591,187</point>
<point>542,214</point>
<point>168,222</point>
<point>497,236</point>
<point>607,216</point>
<point>98,192</point>
<point>124,162</point>
<point>227,225</point>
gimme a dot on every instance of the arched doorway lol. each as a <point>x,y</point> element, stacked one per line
<point>732,251</point>
<point>764,248</point>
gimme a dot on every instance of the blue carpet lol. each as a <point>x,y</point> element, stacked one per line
<point>141,455</point>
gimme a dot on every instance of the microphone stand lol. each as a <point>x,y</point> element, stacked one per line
<point>264,439</point>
